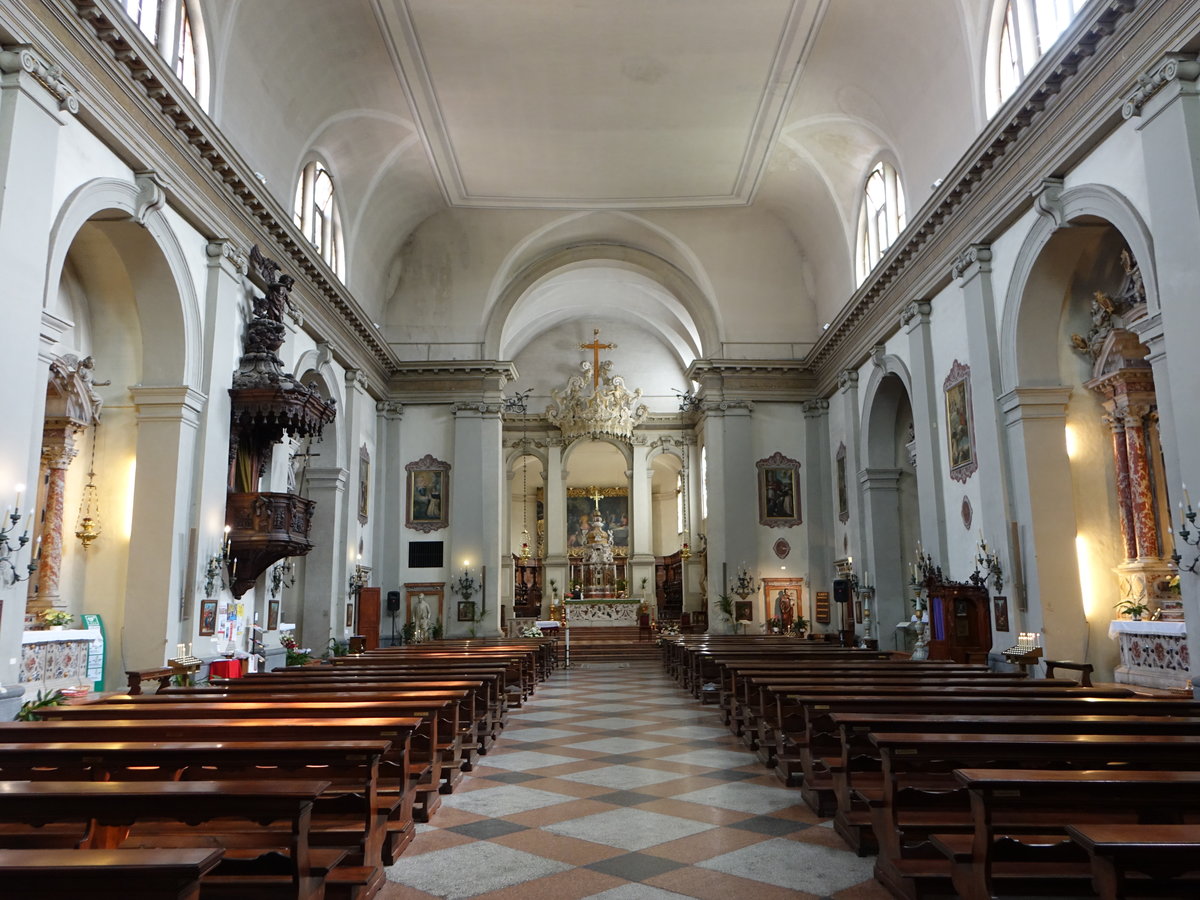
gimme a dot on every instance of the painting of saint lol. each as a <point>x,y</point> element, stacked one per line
<point>428,494</point>
<point>960,430</point>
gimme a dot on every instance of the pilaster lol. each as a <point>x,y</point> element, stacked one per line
<point>819,500</point>
<point>478,507</point>
<point>326,578</point>
<point>926,390</point>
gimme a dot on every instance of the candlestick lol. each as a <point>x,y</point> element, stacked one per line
<point>21,490</point>
<point>1187,498</point>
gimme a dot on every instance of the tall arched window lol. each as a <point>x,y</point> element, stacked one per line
<point>171,26</point>
<point>881,218</point>
<point>317,214</point>
<point>1028,29</point>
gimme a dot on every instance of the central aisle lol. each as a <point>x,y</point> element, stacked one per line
<point>613,783</point>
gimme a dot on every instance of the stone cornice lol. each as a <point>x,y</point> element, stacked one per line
<point>752,379</point>
<point>136,105</point>
<point>1060,112</point>
<point>450,381</point>
<point>1175,65</point>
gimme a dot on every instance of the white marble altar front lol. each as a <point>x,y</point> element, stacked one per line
<point>55,659</point>
<point>603,613</point>
<point>1153,654</point>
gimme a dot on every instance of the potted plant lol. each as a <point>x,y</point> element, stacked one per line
<point>56,619</point>
<point>725,605</point>
<point>29,709</point>
<point>799,626</point>
<point>1132,608</point>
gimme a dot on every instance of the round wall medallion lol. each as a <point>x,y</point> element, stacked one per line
<point>968,514</point>
<point>782,548</point>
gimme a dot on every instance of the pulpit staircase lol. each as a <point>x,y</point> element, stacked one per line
<point>611,644</point>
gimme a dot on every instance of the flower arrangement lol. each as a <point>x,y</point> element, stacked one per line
<point>56,617</point>
<point>532,631</point>
<point>1173,585</point>
<point>296,655</point>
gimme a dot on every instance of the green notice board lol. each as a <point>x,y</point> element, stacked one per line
<point>95,660</point>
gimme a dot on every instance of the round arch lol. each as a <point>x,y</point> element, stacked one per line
<point>657,268</point>
<point>161,272</point>
<point>1028,328</point>
<point>879,402</point>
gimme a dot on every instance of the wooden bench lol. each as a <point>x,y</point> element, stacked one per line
<point>112,806</point>
<point>1166,855</point>
<point>1085,668</point>
<point>106,874</point>
<point>920,797</point>
<point>858,773</point>
<point>1001,804</point>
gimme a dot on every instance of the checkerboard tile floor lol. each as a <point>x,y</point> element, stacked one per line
<point>643,798</point>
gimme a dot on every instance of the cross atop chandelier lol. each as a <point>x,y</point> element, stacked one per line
<point>610,410</point>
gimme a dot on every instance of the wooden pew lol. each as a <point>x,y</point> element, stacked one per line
<point>113,805</point>
<point>1168,856</point>
<point>920,796</point>
<point>427,761</point>
<point>1002,801</point>
<point>106,874</point>
<point>350,815</point>
<point>858,774</point>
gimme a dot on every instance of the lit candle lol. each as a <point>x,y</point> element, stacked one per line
<point>21,491</point>
<point>1187,498</point>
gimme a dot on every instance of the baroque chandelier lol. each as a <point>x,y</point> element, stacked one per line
<point>609,410</point>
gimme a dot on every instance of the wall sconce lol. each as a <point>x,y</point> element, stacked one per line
<point>924,569</point>
<point>987,561</point>
<point>465,585</point>
<point>214,572</point>
<point>9,573</point>
<point>1185,534</point>
<point>359,577</point>
<point>283,575</point>
<point>743,583</point>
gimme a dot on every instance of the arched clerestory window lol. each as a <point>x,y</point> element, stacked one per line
<point>880,219</point>
<point>316,213</point>
<point>173,27</point>
<point>1027,29</point>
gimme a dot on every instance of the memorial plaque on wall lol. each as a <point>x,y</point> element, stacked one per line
<point>821,607</point>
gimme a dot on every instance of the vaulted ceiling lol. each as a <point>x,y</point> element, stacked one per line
<point>727,140</point>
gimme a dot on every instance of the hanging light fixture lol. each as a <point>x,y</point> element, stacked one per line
<point>685,552</point>
<point>88,527</point>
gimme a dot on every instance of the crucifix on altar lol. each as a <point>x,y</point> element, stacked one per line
<point>595,496</point>
<point>595,346</point>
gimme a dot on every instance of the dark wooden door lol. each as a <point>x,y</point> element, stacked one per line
<point>369,603</point>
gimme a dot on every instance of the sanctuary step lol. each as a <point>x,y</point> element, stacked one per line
<point>610,644</point>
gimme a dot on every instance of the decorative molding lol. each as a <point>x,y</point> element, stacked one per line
<point>479,406</point>
<point>814,409</point>
<point>1175,65</point>
<point>389,409</point>
<point>979,255</point>
<point>151,195</point>
<point>915,313</point>
<point>1047,200</point>
<point>224,249</point>
<point>847,380</point>
<point>24,58</point>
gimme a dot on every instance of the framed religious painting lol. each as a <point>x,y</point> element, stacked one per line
<point>1000,607</point>
<point>208,618</point>
<point>466,610</point>
<point>427,500</point>
<point>613,505</point>
<point>960,422</point>
<point>364,484</point>
<point>350,614</point>
<point>778,491</point>
<point>843,496</point>
<point>783,604</point>
<point>272,615</point>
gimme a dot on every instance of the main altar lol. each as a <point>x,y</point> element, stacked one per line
<point>603,612</point>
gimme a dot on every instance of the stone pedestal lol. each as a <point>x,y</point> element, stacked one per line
<point>1153,654</point>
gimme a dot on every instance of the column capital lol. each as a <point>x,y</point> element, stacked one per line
<point>167,403</point>
<point>975,260</point>
<point>915,315</point>
<point>814,409</point>
<point>479,408</point>
<point>880,479</point>
<point>390,409</point>
<point>326,478</point>
<point>848,380</point>
<point>1034,403</point>
<point>23,59</point>
<point>223,253</point>
<point>1172,67</point>
<point>58,442</point>
<point>356,379</point>
<point>729,407</point>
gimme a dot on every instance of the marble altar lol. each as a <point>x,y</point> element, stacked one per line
<point>1153,654</point>
<point>603,612</point>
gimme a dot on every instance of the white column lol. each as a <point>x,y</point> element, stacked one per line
<point>34,105</point>
<point>326,580</point>
<point>926,398</point>
<point>847,400</point>
<point>1167,106</point>
<point>168,420</point>
<point>819,501</point>
<point>641,514</point>
<point>387,497</point>
<point>477,509</point>
<point>1035,419</point>
<point>881,514</point>
<point>732,500</point>
<point>555,481</point>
